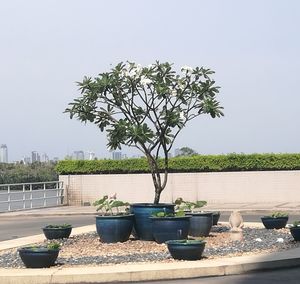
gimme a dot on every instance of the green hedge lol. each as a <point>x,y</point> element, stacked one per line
<point>198,163</point>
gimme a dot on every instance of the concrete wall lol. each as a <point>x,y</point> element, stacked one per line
<point>226,187</point>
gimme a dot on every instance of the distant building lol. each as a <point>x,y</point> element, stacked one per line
<point>91,156</point>
<point>116,155</point>
<point>78,155</point>
<point>45,158</point>
<point>26,160</point>
<point>55,159</point>
<point>3,154</point>
<point>35,157</point>
<point>178,152</point>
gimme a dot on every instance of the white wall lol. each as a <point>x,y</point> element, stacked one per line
<point>225,187</point>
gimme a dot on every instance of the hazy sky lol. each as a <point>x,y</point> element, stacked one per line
<point>254,47</point>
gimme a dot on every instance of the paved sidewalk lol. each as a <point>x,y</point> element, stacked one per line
<point>90,210</point>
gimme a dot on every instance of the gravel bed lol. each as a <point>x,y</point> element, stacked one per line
<point>86,249</point>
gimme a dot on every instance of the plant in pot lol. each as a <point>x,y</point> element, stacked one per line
<point>39,256</point>
<point>56,231</point>
<point>113,225</point>
<point>200,222</point>
<point>169,226</point>
<point>295,230</point>
<point>186,249</point>
<point>146,108</point>
<point>276,220</point>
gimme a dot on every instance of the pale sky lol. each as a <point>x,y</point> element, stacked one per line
<point>253,46</point>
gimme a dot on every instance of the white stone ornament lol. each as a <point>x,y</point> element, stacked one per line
<point>236,221</point>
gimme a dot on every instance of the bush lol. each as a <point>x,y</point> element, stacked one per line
<point>198,163</point>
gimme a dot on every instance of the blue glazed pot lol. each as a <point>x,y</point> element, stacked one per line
<point>113,229</point>
<point>186,250</point>
<point>38,257</point>
<point>216,217</point>
<point>200,224</point>
<point>170,228</point>
<point>142,222</point>
<point>57,233</point>
<point>295,231</point>
<point>274,223</point>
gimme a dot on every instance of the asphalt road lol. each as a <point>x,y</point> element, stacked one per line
<point>279,276</point>
<point>16,227</point>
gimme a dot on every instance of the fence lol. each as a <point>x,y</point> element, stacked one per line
<point>31,195</point>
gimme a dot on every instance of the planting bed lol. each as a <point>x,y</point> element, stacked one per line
<point>86,249</point>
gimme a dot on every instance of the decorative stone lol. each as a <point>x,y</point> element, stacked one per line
<point>236,221</point>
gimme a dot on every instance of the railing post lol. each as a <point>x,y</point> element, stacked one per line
<point>30,189</point>
<point>57,193</point>
<point>8,198</point>
<point>44,195</point>
<point>24,197</point>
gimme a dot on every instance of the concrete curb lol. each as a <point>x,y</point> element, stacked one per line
<point>156,271</point>
<point>143,272</point>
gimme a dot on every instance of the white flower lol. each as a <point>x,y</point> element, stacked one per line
<point>280,240</point>
<point>145,81</point>
<point>174,93</point>
<point>182,115</point>
<point>258,240</point>
<point>186,69</point>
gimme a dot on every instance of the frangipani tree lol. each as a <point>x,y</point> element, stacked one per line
<point>146,108</point>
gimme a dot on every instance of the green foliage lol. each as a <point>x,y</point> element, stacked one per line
<point>182,205</point>
<point>186,151</point>
<point>53,246</point>
<point>20,173</point>
<point>199,163</point>
<point>279,214</point>
<point>55,226</point>
<point>107,205</point>
<point>162,214</point>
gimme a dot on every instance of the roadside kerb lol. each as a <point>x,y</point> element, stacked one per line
<point>144,272</point>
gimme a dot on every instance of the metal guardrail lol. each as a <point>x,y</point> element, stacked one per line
<point>20,196</point>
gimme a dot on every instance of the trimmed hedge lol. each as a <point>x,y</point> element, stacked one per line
<point>198,163</point>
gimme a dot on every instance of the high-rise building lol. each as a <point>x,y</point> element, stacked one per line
<point>116,155</point>
<point>35,157</point>
<point>3,154</point>
<point>45,158</point>
<point>78,155</point>
<point>26,160</point>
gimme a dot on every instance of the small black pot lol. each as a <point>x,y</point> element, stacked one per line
<point>170,228</point>
<point>186,250</point>
<point>200,224</point>
<point>295,231</point>
<point>274,223</point>
<point>57,233</point>
<point>38,257</point>
<point>114,229</point>
<point>142,223</point>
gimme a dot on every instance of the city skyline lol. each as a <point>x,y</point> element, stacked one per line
<point>47,46</point>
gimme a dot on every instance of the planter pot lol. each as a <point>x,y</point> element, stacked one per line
<point>186,250</point>
<point>200,224</point>
<point>274,223</point>
<point>113,229</point>
<point>57,233</point>
<point>142,222</point>
<point>216,216</point>
<point>38,257</point>
<point>295,231</point>
<point>170,228</point>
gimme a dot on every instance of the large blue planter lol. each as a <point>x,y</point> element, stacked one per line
<point>57,233</point>
<point>274,223</point>
<point>142,222</point>
<point>200,224</point>
<point>295,231</point>
<point>113,229</point>
<point>170,228</point>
